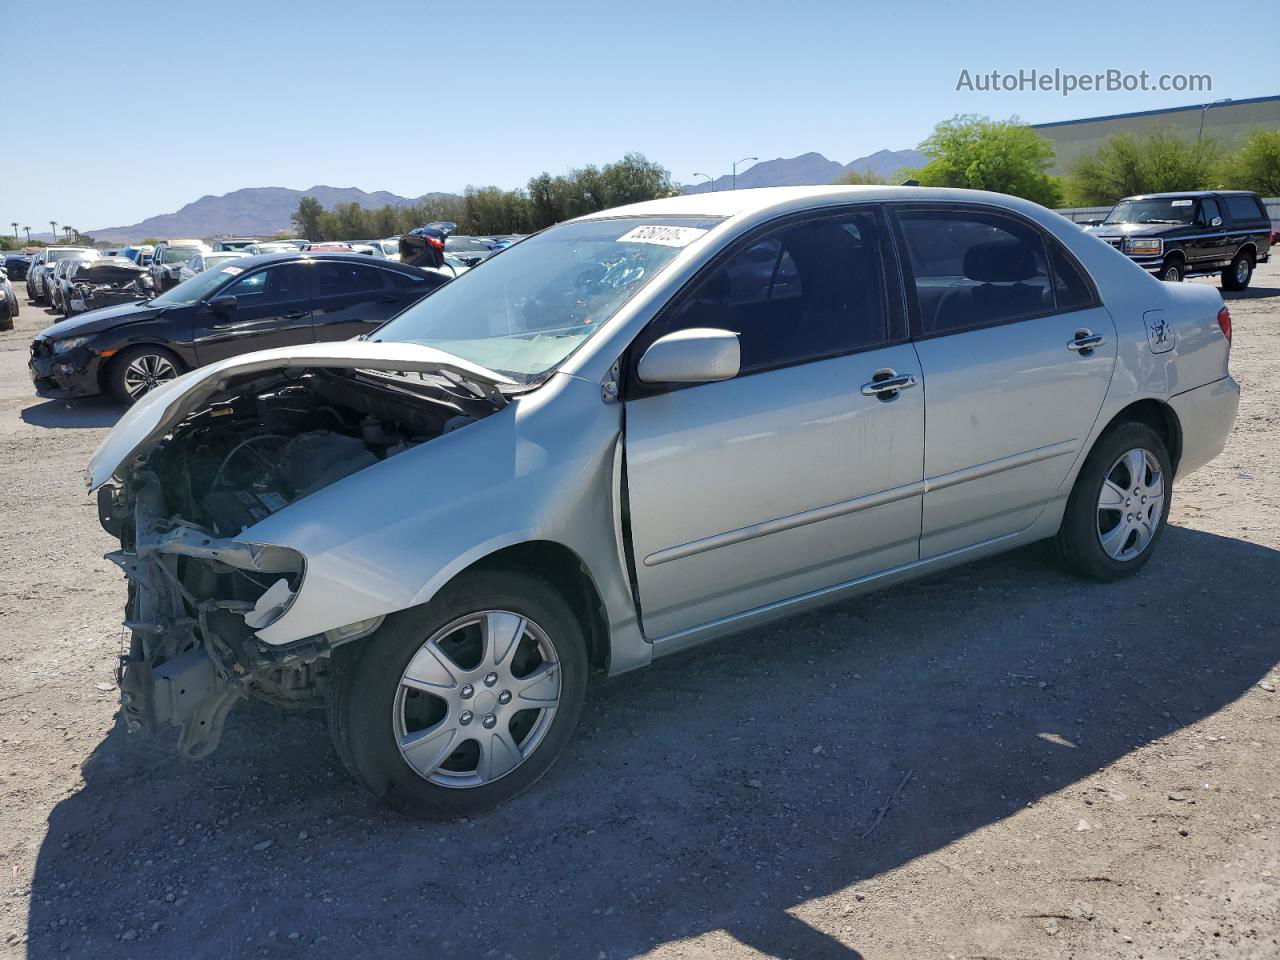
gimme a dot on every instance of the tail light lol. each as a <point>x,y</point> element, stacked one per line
<point>1224,321</point>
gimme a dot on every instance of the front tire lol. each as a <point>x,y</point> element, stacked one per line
<point>1173,271</point>
<point>1239,275</point>
<point>456,706</point>
<point>1119,505</point>
<point>137,371</point>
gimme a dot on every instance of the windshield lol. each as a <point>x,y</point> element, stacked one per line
<point>180,254</point>
<point>524,312</point>
<point>1168,210</point>
<point>198,287</point>
<point>466,245</point>
<point>56,255</point>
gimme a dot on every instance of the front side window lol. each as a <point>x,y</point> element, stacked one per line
<point>523,313</point>
<point>283,283</point>
<point>974,269</point>
<point>804,292</point>
<point>179,254</point>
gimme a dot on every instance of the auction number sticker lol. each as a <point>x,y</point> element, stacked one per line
<point>664,236</point>
<point>1182,203</point>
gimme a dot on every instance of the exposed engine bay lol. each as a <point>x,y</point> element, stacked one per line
<point>197,593</point>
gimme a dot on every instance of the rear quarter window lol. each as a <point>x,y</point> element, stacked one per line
<point>1244,208</point>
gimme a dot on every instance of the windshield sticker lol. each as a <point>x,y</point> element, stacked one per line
<point>664,236</point>
<point>233,270</point>
<point>1182,203</point>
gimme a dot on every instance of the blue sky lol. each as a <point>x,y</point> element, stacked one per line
<point>157,105</point>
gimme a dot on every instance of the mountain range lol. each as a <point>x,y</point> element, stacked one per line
<point>262,211</point>
<point>811,168</point>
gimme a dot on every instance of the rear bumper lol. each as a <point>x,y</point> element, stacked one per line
<point>1206,415</point>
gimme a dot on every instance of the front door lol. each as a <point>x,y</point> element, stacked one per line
<point>1018,355</point>
<point>273,309</point>
<point>800,473</point>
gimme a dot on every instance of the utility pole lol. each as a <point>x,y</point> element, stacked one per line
<point>735,169</point>
<point>1204,110</point>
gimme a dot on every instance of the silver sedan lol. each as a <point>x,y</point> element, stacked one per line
<point>633,433</point>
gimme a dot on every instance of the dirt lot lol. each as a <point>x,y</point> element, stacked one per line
<point>1069,770</point>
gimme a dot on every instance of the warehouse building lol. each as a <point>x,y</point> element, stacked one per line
<point>1226,121</point>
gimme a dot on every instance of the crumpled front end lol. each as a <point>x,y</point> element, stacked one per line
<point>184,507</point>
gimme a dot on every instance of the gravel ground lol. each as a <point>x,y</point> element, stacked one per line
<point>999,762</point>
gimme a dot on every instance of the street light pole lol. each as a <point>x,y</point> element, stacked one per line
<point>710,179</point>
<point>735,169</point>
<point>1204,110</point>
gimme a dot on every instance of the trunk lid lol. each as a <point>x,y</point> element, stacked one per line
<point>157,413</point>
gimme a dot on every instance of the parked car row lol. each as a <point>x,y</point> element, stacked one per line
<point>239,304</point>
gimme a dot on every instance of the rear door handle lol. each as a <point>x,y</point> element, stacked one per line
<point>1085,342</point>
<point>886,384</point>
<point>295,314</point>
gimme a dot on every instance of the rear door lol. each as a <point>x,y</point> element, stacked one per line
<point>273,309</point>
<point>796,475</point>
<point>1017,352</point>
<point>353,298</point>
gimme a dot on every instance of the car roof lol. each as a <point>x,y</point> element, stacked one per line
<point>262,259</point>
<point>742,203</point>
<point>1175,194</point>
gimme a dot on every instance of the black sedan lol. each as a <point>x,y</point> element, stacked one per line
<point>253,303</point>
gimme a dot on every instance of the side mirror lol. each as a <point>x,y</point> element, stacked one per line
<point>699,355</point>
<point>1216,222</point>
<point>223,305</point>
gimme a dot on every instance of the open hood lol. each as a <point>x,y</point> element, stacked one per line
<point>109,270</point>
<point>157,413</point>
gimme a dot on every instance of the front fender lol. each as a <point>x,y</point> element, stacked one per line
<point>389,537</point>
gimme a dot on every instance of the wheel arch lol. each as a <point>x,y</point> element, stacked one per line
<point>1251,247</point>
<point>1157,415</point>
<point>105,369</point>
<point>565,571</point>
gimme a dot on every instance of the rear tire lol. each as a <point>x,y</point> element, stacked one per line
<point>458,713</point>
<point>1239,275</point>
<point>1112,522</point>
<point>1173,270</point>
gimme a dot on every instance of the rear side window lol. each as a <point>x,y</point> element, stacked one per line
<point>804,292</point>
<point>1244,207</point>
<point>1071,290</point>
<point>974,269</point>
<point>334,278</point>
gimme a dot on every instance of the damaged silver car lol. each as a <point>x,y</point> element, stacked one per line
<point>629,434</point>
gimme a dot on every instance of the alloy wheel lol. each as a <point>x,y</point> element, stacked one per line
<point>477,699</point>
<point>146,372</point>
<point>1130,504</point>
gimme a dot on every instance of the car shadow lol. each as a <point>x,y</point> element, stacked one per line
<point>715,791</point>
<point>1251,293</point>
<point>87,412</point>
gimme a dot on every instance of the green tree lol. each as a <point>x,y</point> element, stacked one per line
<point>979,153</point>
<point>1255,166</point>
<point>855,178</point>
<point>307,219</point>
<point>1127,164</point>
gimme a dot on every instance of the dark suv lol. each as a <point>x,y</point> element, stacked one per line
<point>1177,235</point>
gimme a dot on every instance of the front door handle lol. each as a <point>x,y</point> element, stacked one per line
<point>295,314</point>
<point>887,384</point>
<point>1085,341</point>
